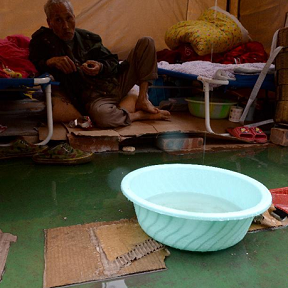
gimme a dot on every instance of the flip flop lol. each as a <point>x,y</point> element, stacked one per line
<point>258,135</point>
<point>63,154</point>
<point>242,133</point>
<point>20,148</point>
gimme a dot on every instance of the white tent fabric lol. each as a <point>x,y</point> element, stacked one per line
<point>196,7</point>
<point>121,22</point>
<point>262,18</point>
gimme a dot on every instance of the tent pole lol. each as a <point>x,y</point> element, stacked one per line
<point>238,12</point>
<point>228,6</point>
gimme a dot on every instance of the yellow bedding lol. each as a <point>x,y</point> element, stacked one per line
<point>215,30</point>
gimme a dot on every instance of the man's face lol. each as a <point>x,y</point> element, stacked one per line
<point>62,21</point>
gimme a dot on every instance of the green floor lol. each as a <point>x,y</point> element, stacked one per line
<point>35,197</point>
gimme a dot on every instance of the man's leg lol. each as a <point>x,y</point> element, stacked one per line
<point>62,108</point>
<point>142,71</point>
<point>105,113</point>
<point>109,113</point>
<point>142,66</point>
<point>129,102</point>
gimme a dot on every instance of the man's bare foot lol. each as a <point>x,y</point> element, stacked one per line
<point>146,106</point>
<point>143,115</point>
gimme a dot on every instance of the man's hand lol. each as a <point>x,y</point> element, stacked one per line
<point>91,67</point>
<point>63,63</point>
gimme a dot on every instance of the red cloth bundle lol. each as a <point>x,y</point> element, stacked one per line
<point>14,57</point>
<point>251,52</point>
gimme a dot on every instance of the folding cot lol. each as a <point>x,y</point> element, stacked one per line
<point>257,81</point>
<point>22,83</point>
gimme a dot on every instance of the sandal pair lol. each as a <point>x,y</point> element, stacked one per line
<point>60,154</point>
<point>20,148</point>
<point>253,134</point>
<point>63,154</point>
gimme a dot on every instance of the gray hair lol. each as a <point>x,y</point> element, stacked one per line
<point>49,3</point>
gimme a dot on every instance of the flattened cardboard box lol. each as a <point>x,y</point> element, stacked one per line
<point>5,240</point>
<point>99,251</point>
<point>59,132</point>
<point>180,123</point>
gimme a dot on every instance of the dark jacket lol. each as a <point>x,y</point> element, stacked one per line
<point>87,46</point>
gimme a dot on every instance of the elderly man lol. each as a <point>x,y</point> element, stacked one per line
<point>90,74</point>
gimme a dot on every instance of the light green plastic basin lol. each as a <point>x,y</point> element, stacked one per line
<point>219,109</point>
<point>187,229</point>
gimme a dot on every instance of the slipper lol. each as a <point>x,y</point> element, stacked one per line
<point>20,148</point>
<point>242,133</point>
<point>2,128</point>
<point>63,154</point>
<point>258,135</point>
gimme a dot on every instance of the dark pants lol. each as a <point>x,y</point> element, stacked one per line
<point>104,111</point>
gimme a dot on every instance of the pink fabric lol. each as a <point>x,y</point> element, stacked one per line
<point>14,53</point>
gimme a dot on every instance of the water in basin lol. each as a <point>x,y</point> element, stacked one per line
<point>194,202</point>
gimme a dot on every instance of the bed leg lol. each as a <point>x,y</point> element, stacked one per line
<point>45,82</point>
<point>206,89</point>
<point>49,115</point>
<point>207,107</point>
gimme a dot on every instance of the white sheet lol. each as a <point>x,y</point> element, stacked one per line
<point>215,70</point>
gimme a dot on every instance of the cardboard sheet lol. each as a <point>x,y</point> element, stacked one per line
<point>5,241</point>
<point>137,129</point>
<point>181,122</point>
<point>98,251</point>
<point>279,200</point>
<point>269,223</point>
<point>59,132</point>
<point>94,144</point>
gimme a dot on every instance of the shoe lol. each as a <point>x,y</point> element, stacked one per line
<point>258,135</point>
<point>63,154</point>
<point>242,133</point>
<point>20,148</point>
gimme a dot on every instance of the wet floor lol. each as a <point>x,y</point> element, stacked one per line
<point>37,197</point>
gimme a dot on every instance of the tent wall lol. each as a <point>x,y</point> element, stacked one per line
<point>262,18</point>
<point>119,22</point>
<point>196,7</point>
<point>122,22</point>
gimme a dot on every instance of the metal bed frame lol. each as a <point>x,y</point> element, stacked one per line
<point>45,82</point>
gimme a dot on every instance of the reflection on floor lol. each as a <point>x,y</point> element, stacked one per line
<point>37,197</point>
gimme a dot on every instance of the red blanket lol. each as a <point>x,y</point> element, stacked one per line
<point>251,52</point>
<point>14,53</point>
